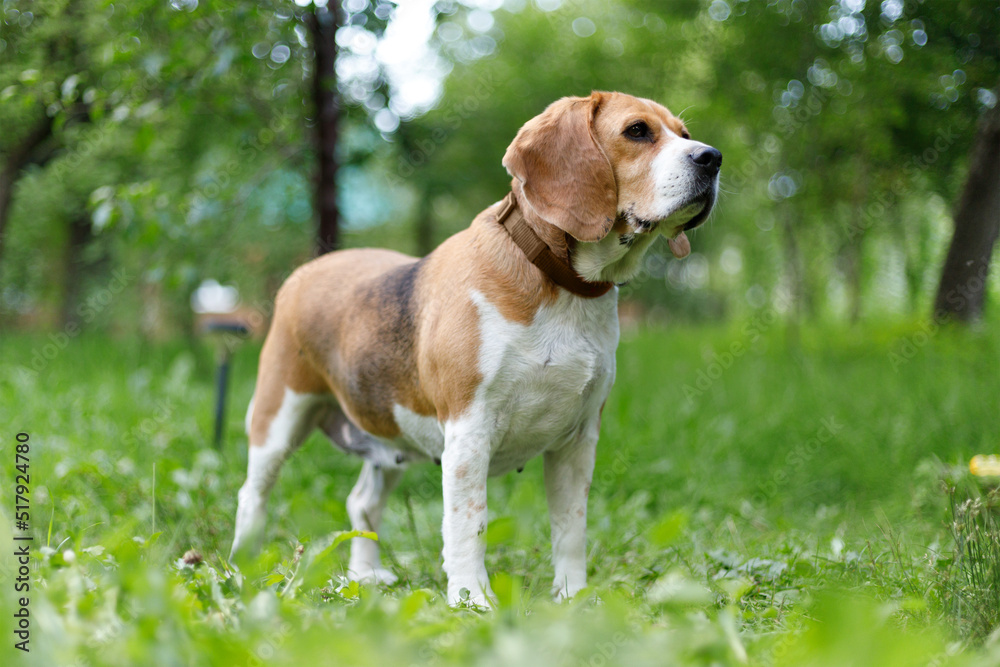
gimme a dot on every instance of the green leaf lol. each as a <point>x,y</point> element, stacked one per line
<point>273,578</point>
<point>501,530</point>
<point>341,537</point>
<point>351,591</point>
<point>507,588</point>
<point>668,529</point>
<point>414,602</point>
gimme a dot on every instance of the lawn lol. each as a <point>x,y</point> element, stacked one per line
<point>761,497</point>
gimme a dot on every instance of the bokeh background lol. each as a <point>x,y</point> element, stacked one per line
<point>180,142</point>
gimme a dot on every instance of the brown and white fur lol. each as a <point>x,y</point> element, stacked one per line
<point>471,356</point>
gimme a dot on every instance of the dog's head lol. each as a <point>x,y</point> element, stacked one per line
<point>612,170</point>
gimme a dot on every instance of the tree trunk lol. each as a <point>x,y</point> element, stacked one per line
<point>323,24</point>
<point>20,156</point>
<point>962,290</point>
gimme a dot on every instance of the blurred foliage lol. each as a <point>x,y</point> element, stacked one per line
<point>824,113</point>
<point>183,131</point>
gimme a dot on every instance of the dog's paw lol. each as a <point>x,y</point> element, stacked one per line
<point>368,574</point>
<point>563,591</point>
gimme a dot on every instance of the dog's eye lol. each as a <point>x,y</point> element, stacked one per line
<point>685,134</point>
<point>638,131</point>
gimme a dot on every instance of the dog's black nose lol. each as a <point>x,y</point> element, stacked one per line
<point>708,159</point>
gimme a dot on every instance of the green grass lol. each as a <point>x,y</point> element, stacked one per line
<point>976,584</point>
<point>788,511</point>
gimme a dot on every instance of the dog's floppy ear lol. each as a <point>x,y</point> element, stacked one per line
<point>564,173</point>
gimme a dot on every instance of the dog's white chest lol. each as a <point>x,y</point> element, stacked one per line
<point>542,383</point>
<point>545,381</point>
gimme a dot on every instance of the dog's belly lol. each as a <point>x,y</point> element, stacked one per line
<point>419,434</point>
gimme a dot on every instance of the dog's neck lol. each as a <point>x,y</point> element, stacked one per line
<point>556,239</point>
<point>616,258</point>
<point>556,266</point>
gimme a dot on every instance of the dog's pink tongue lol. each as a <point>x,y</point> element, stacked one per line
<point>680,246</point>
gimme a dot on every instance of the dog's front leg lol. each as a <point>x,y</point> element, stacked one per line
<point>464,467</point>
<point>568,472</point>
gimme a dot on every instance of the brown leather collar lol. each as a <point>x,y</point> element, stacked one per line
<point>539,254</point>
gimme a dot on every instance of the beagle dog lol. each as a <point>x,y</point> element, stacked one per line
<point>495,348</point>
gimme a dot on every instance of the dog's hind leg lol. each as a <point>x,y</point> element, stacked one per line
<point>379,475</point>
<point>364,506</point>
<point>279,421</point>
